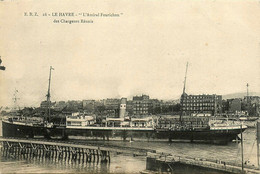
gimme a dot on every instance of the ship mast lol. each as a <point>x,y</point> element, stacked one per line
<point>49,96</point>
<point>184,87</point>
<point>183,92</point>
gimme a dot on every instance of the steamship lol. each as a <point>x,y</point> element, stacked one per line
<point>190,129</point>
<point>173,128</point>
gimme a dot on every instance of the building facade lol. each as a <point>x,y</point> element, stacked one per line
<point>252,104</point>
<point>234,105</point>
<point>75,105</point>
<point>195,104</point>
<point>45,104</point>
<point>112,103</point>
<point>252,99</point>
<point>129,107</point>
<point>141,105</point>
<point>88,105</point>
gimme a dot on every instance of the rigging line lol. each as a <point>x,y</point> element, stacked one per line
<point>53,94</point>
<point>34,104</point>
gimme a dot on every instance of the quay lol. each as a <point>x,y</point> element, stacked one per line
<point>86,153</point>
<point>156,162</point>
<point>66,150</point>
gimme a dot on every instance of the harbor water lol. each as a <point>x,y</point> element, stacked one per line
<point>121,163</point>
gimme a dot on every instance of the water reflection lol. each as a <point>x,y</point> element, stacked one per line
<point>24,164</point>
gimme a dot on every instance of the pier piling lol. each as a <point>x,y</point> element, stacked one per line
<point>26,149</point>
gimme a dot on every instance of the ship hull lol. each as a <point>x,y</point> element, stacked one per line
<point>10,129</point>
<point>205,135</point>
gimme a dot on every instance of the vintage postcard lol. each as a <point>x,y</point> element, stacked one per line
<point>141,86</point>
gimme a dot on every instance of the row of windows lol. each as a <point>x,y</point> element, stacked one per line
<point>198,100</point>
<point>141,102</point>
<point>141,112</point>
<point>137,105</point>
<point>174,120</point>
<point>201,97</point>
<point>198,104</point>
<point>141,109</point>
<point>199,108</point>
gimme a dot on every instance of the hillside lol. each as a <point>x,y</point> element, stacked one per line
<point>239,95</point>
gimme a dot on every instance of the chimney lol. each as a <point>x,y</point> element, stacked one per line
<point>122,112</point>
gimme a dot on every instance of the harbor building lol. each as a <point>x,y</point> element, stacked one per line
<point>129,107</point>
<point>234,105</point>
<point>111,106</point>
<point>252,99</point>
<point>45,104</point>
<point>88,105</point>
<point>155,106</point>
<point>112,103</point>
<point>74,105</point>
<point>197,104</point>
<point>252,104</point>
<point>60,104</point>
<point>141,105</point>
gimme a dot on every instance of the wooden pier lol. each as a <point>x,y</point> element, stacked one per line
<point>30,149</point>
<point>172,164</point>
<point>62,150</point>
<point>78,145</point>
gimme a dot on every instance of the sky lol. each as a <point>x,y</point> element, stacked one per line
<point>144,51</point>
